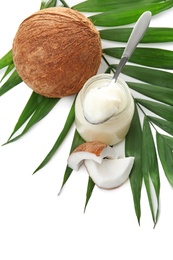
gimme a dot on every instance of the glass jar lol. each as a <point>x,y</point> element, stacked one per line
<point>114,129</point>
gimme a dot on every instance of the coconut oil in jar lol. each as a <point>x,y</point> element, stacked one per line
<point>102,112</point>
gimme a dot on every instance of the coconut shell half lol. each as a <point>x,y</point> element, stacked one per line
<point>56,50</point>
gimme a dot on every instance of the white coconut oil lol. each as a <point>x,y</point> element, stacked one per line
<point>103,101</point>
<point>102,112</point>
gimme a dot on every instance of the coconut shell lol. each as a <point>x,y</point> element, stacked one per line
<point>56,50</point>
<point>90,150</point>
<point>94,147</point>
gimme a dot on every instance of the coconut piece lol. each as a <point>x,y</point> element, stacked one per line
<point>102,163</point>
<point>111,173</point>
<point>55,51</point>
<point>95,151</point>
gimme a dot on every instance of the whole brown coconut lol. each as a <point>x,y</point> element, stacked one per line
<point>56,50</point>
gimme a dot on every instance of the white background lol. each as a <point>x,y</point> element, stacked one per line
<point>36,223</point>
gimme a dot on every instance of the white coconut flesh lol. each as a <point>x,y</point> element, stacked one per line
<point>102,163</point>
<point>76,159</point>
<point>111,173</point>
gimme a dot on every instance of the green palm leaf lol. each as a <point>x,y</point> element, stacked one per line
<point>153,91</point>
<point>77,140</point>
<point>150,170</point>
<point>151,57</point>
<point>129,13</point>
<point>6,59</point>
<point>61,137</point>
<point>162,110</point>
<point>103,6</point>
<point>33,102</point>
<point>11,82</point>
<point>165,125</point>
<point>47,4</point>
<point>149,75</point>
<point>152,35</point>
<point>165,148</point>
<point>42,109</point>
<point>8,70</point>
<point>133,148</point>
<point>90,188</point>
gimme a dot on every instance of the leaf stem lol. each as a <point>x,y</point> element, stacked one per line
<point>64,3</point>
<point>146,116</point>
<point>106,61</point>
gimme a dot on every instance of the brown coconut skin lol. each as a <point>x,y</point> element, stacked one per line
<point>56,50</point>
<point>94,147</point>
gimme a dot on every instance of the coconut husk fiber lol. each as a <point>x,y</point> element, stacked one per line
<point>56,50</point>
